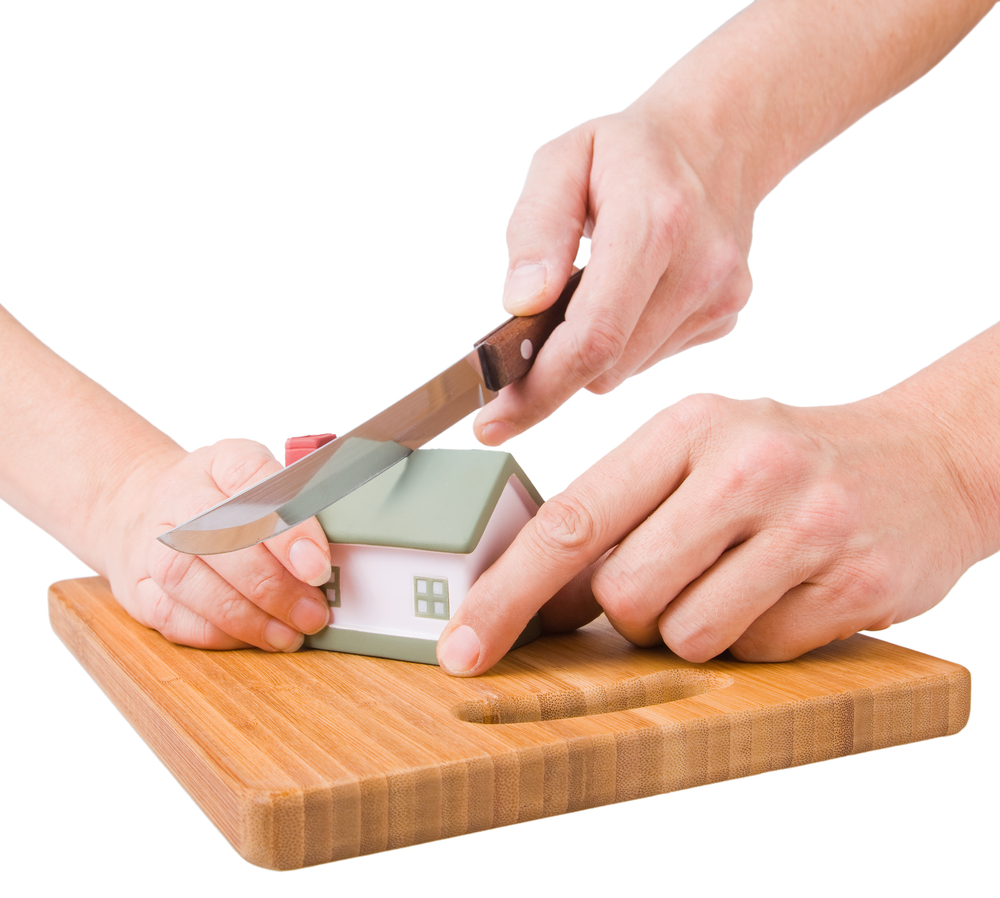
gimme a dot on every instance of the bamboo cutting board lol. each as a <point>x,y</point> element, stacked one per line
<point>307,758</point>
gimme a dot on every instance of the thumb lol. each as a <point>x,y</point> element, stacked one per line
<point>544,232</point>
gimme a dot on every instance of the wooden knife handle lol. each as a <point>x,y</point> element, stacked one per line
<point>507,353</point>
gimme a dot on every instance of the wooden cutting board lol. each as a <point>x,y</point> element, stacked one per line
<point>312,757</point>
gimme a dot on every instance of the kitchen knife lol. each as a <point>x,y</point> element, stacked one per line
<point>329,473</point>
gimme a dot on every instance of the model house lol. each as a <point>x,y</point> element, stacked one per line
<point>407,546</point>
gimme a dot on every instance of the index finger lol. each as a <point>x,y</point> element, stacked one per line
<point>570,532</point>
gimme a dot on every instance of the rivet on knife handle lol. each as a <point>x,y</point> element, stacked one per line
<point>507,353</point>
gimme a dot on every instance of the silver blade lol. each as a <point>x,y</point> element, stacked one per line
<point>332,471</point>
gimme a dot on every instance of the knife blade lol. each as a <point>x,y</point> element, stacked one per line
<point>331,472</point>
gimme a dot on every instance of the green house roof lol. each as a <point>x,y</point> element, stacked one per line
<point>436,499</point>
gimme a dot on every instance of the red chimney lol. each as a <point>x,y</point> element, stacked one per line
<point>299,447</point>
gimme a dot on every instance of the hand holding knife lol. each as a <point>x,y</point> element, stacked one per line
<point>321,478</point>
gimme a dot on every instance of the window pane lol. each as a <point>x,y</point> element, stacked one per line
<point>423,589</point>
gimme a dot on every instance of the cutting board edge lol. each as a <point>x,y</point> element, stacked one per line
<point>191,769</point>
<point>292,829</point>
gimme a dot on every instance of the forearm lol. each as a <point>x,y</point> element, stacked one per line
<point>68,448</point>
<point>784,77</point>
<point>956,400</point>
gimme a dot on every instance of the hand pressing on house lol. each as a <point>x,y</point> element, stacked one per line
<point>760,528</point>
<point>266,596</point>
<point>667,189</point>
<point>112,483</point>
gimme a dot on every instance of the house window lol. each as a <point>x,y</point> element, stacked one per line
<point>333,588</point>
<point>430,597</point>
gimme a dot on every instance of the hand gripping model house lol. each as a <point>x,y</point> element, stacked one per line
<point>407,546</point>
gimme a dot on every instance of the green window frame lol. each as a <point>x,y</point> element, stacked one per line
<point>332,588</point>
<point>430,598</point>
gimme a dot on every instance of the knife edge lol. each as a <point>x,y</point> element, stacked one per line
<point>319,479</point>
<point>329,473</point>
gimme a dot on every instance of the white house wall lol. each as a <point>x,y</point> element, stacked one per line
<point>376,582</point>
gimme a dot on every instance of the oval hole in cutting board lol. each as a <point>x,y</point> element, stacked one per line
<point>622,695</point>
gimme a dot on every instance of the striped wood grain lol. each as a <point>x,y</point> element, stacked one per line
<point>307,758</point>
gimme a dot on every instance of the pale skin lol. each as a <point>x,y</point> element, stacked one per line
<point>105,482</point>
<point>749,526</point>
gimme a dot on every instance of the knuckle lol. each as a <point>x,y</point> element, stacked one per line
<point>549,151</point>
<point>202,634</point>
<point>205,635</point>
<point>866,589</point>
<point>755,463</point>
<point>668,217</point>
<point>169,569</point>
<point>175,623</point>
<point>608,381</point>
<point>723,260</point>
<point>564,525</point>
<point>600,345</point>
<point>698,412</point>
<point>159,614</point>
<point>720,281</point>
<point>540,200</point>
<point>668,207</point>
<point>747,649</point>
<point>229,614</point>
<point>695,643</point>
<point>688,633</point>
<point>528,221</point>
<point>263,589</point>
<point>741,288</point>
<point>732,296</point>
<point>554,151</point>
<point>714,331</point>
<point>723,328</point>
<point>672,214</point>
<point>718,265</point>
<point>766,457</point>
<point>756,650</point>
<point>621,593</point>
<point>826,516</point>
<point>239,463</point>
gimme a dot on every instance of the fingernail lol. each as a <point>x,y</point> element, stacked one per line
<point>460,652</point>
<point>281,637</point>
<point>311,563</point>
<point>309,616</point>
<point>524,283</point>
<point>497,432</point>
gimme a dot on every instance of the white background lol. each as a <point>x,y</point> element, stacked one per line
<point>264,220</point>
